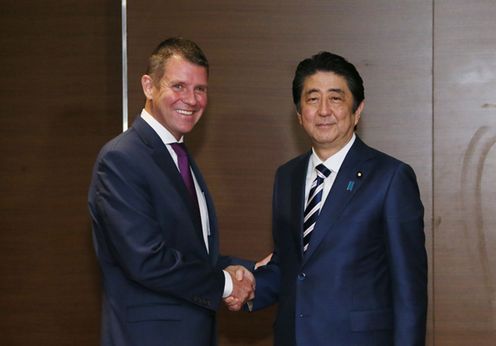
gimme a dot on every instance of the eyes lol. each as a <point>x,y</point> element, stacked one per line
<point>180,87</point>
<point>315,99</point>
<point>177,87</point>
<point>201,89</point>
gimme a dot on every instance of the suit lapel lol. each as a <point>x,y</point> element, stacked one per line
<point>162,158</point>
<point>352,174</point>
<point>297,198</point>
<point>213,240</point>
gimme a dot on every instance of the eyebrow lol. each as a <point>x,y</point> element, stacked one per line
<point>178,81</point>
<point>336,90</point>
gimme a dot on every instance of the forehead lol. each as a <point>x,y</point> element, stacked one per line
<point>180,69</point>
<point>325,81</point>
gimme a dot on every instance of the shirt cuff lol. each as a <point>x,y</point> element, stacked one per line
<point>228,285</point>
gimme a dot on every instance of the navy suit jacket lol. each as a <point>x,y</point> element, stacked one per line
<point>160,285</point>
<point>363,279</point>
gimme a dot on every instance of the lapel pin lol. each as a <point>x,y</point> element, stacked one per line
<point>359,174</point>
<point>351,183</point>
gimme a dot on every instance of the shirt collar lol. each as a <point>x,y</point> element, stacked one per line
<point>161,131</point>
<point>335,161</point>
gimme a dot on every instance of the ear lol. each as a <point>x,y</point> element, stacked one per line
<point>358,112</point>
<point>299,117</point>
<point>147,85</point>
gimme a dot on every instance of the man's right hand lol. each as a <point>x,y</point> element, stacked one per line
<point>243,287</point>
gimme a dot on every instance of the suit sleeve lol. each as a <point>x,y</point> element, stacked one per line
<point>226,261</point>
<point>135,240</point>
<point>268,277</point>
<point>407,257</point>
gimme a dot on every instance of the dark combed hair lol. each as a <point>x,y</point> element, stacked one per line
<point>185,48</point>
<point>328,62</point>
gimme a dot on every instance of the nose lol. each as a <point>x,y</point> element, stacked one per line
<point>189,97</point>
<point>324,108</point>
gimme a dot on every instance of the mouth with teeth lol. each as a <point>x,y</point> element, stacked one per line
<point>185,112</point>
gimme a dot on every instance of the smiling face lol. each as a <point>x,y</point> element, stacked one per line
<point>179,98</point>
<point>326,112</point>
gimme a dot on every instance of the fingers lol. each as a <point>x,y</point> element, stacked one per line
<point>245,274</point>
<point>263,261</point>
<point>243,284</point>
<point>243,287</point>
<point>252,295</point>
<point>239,274</point>
<point>233,304</point>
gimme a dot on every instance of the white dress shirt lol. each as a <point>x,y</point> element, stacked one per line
<point>167,138</point>
<point>333,163</point>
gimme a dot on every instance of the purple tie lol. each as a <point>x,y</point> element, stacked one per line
<point>183,163</point>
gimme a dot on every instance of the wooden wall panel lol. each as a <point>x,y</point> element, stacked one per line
<point>59,102</point>
<point>465,166</point>
<point>250,126</point>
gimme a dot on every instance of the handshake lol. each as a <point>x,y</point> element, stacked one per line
<point>243,285</point>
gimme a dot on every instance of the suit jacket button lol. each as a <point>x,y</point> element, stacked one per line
<point>302,276</point>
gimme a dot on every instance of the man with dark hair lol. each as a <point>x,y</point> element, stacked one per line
<point>349,265</point>
<point>154,224</point>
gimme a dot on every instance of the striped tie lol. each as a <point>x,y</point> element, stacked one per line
<point>312,209</point>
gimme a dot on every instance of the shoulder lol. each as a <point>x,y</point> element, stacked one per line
<point>128,143</point>
<point>295,168</point>
<point>379,158</point>
<point>296,163</point>
<point>398,175</point>
<point>136,139</point>
<point>124,153</point>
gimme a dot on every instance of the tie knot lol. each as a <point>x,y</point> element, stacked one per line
<point>322,171</point>
<point>180,149</point>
